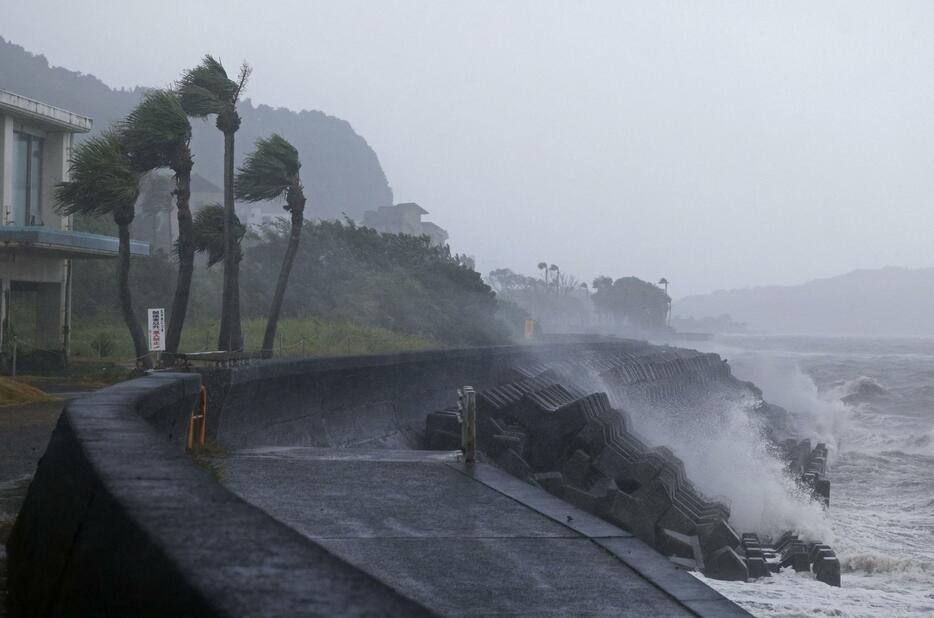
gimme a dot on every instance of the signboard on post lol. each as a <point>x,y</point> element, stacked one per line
<point>157,330</point>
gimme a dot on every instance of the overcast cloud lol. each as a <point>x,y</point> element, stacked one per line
<point>718,144</point>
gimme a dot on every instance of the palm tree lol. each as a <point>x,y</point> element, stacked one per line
<point>104,181</point>
<point>557,272</point>
<point>543,266</point>
<point>208,233</point>
<point>268,173</point>
<point>157,134</point>
<point>206,90</point>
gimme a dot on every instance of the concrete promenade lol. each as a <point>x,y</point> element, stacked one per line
<point>464,540</point>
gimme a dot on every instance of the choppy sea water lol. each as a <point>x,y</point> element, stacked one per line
<point>872,400</point>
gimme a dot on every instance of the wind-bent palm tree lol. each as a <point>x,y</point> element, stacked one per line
<point>268,173</point>
<point>104,181</point>
<point>157,134</point>
<point>208,233</point>
<point>543,266</point>
<point>206,90</point>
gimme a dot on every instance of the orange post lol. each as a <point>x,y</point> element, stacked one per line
<point>201,417</point>
<point>204,414</point>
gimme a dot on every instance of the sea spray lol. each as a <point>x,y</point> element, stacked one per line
<point>817,415</point>
<point>722,443</point>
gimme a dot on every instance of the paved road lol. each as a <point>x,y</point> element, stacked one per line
<point>464,540</point>
<point>24,434</point>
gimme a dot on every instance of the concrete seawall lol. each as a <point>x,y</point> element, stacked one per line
<point>119,520</point>
<point>359,400</point>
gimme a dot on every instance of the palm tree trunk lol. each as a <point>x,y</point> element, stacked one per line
<point>230,337</point>
<point>186,261</point>
<point>272,322</point>
<point>126,300</point>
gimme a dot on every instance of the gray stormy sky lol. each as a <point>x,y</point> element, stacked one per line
<point>719,144</point>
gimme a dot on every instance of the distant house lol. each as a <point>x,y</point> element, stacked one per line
<point>255,216</point>
<point>37,244</point>
<point>404,219</point>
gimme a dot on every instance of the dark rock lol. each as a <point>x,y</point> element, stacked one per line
<point>827,570</point>
<point>674,544</point>
<point>757,567</point>
<point>513,463</point>
<point>716,535</point>
<point>726,564</point>
<point>576,468</point>
<point>552,482</point>
<point>444,441</point>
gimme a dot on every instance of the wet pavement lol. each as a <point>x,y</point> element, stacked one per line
<point>463,540</point>
<point>24,434</point>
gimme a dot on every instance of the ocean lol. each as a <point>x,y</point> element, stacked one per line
<point>872,402</point>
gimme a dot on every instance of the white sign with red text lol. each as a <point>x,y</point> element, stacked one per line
<point>156,330</point>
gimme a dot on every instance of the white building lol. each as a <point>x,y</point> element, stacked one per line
<point>404,219</point>
<point>37,245</point>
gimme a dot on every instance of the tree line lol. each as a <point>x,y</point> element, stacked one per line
<point>561,301</point>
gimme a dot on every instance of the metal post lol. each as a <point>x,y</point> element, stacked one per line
<point>14,355</point>
<point>469,425</point>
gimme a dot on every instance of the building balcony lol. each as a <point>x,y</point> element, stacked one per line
<point>49,242</point>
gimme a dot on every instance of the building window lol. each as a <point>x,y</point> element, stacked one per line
<point>27,179</point>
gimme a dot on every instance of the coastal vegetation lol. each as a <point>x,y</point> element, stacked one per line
<point>561,303</point>
<point>351,288</point>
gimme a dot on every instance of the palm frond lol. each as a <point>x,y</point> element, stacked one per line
<point>269,171</point>
<point>157,130</point>
<point>208,232</point>
<point>103,179</point>
<point>206,89</point>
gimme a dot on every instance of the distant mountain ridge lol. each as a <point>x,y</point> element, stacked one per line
<point>341,173</point>
<point>888,301</point>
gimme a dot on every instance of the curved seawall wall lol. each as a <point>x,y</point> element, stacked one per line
<point>119,520</point>
<point>380,399</point>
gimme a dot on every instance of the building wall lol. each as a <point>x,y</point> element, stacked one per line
<point>49,273</point>
<point>56,150</point>
<point>6,163</point>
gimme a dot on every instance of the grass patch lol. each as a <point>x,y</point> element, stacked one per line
<point>13,392</point>
<point>296,337</point>
<point>204,457</point>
